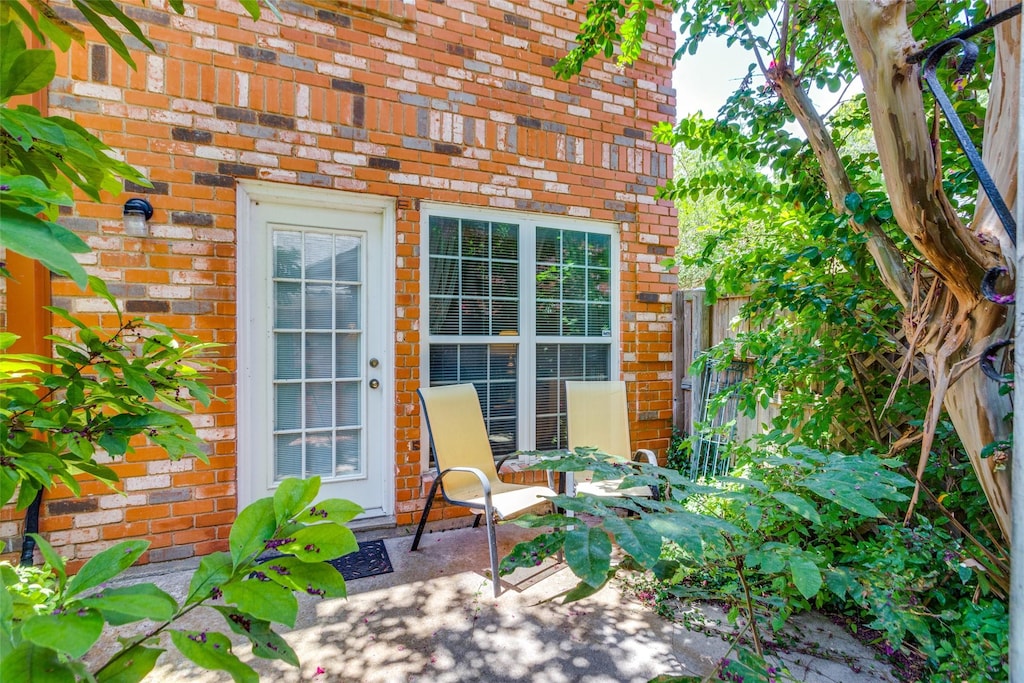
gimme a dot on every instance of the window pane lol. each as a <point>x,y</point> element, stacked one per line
<point>287,356</point>
<point>574,247</point>
<point>574,283</point>
<point>319,405</point>
<point>287,456</point>
<point>347,359</point>
<point>504,317</point>
<point>505,241</point>
<point>476,318</point>
<point>598,285</point>
<point>444,235</point>
<point>288,254</point>
<point>475,238</point>
<point>444,316</point>
<point>549,318</point>
<point>549,246</point>
<point>574,320</point>
<point>597,361</point>
<point>347,307</point>
<point>319,355</point>
<point>505,279</point>
<point>348,452</point>
<point>287,406</point>
<point>319,454</point>
<point>598,320</point>
<point>444,276</point>
<point>347,258</point>
<point>288,305</point>
<point>347,404</point>
<point>318,307</point>
<point>476,278</point>
<point>444,364</point>
<point>599,250</point>
<point>319,257</point>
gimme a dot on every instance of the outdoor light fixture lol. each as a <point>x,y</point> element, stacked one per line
<point>136,212</point>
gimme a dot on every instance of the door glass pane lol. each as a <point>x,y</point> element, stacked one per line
<point>318,369</point>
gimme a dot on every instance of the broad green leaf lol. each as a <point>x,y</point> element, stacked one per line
<point>110,37</point>
<point>212,650</point>
<point>585,590</point>
<point>321,542</point>
<point>588,553</point>
<point>292,495</point>
<point>332,510</point>
<point>314,578</point>
<point>214,571</point>
<point>131,666</point>
<point>845,496</point>
<point>637,538</point>
<point>72,632</point>
<point>253,527</point>
<point>132,603</point>
<point>31,71</point>
<point>806,575</point>
<point>266,643</point>
<point>30,662</point>
<point>263,599</point>
<point>37,240</point>
<point>798,505</point>
<point>105,566</point>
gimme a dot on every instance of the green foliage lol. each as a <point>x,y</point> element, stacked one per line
<point>96,394</point>
<point>48,623</point>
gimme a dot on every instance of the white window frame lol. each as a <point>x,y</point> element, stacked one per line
<point>526,341</point>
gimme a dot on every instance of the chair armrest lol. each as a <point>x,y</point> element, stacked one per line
<point>485,483</point>
<point>648,454</point>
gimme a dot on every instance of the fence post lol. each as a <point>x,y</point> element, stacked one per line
<point>690,336</point>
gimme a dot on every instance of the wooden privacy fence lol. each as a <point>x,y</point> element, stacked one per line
<point>698,326</point>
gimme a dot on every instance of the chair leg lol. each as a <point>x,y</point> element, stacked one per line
<point>426,511</point>
<point>476,521</point>
<point>492,542</point>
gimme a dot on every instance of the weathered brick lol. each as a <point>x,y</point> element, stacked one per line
<point>347,86</point>
<point>146,306</point>
<point>191,135</point>
<point>214,180</point>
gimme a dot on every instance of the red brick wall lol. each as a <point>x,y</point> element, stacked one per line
<point>447,102</point>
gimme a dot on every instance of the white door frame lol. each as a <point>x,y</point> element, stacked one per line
<point>249,193</point>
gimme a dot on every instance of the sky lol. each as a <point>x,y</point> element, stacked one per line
<point>704,81</point>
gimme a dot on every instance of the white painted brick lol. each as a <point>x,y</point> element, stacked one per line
<point>87,519</point>
<point>218,153</point>
<point>349,159</point>
<point>213,45</point>
<point>645,199</point>
<point>613,109</point>
<point>200,420</point>
<point>333,70</point>
<point>91,305</point>
<point>400,35</point>
<point>626,197</point>
<point>152,481</point>
<point>104,242</point>
<point>447,83</point>
<point>400,60</point>
<point>519,193</point>
<point>502,202</point>
<point>169,291</point>
<point>351,184</point>
<point>435,182</point>
<point>526,77</point>
<point>169,466</point>
<point>465,186</point>
<point>97,91</point>
<point>517,43</point>
<point>644,317</point>
<point>216,125</point>
<point>417,76</point>
<point>646,85</point>
<point>404,178</point>
<point>259,159</point>
<point>627,102</point>
<point>543,93</point>
<point>217,434</point>
<point>90,258</point>
<point>474,20</point>
<point>502,117</point>
<point>192,277</point>
<point>601,96</point>
<point>115,500</point>
<point>318,27</point>
<point>350,61</point>
<point>154,73</point>
<point>317,127</point>
<point>215,235</point>
<point>174,232</point>
<point>317,153</point>
<point>274,147</point>
<point>242,89</point>
<point>385,44</point>
<point>371,148</point>
<point>400,84</point>
<point>86,551</point>
<point>460,74</point>
<point>646,258</point>
<point>193,106</point>
<point>519,172</point>
<point>504,5</point>
<point>335,170</point>
<point>297,137</point>
<point>192,26</point>
<point>469,157</point>
<point>561,188</point>
<point>647,238</point>
<point>494,190</point>
<point>582,112</point>
<point>545,175</point>
<point>507,74</point>
<point>579,211</point>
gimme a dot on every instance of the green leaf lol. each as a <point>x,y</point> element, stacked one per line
<point>798,505</point>
<point>212,650</point>
<point>292,495</point>
<point>588,552</point>
<point>105,566</point>
<point>266,643</point>
<point>39,240</point>
<point>130,666</point>
<point>806,575</point>
<point>585,590</point>
<point>214,571</point>
<point>853,201</point>
<point>263,599</point>
<point>31,71</point>
<point>55,561</point>
<point>333,510</point>
<point>110,37</point>
<point>72,632</point>
<point>253,527</point>
<point>132,603</point>
<point>314,578</point>
<point>637,538</point>
<point>29,662</point>
<point>321,542</point>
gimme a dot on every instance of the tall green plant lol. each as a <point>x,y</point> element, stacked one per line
<point>44,634</point>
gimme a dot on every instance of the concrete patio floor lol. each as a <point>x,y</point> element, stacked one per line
<point>434,619</point>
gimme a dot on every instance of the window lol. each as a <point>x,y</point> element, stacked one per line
<point>517,307</point>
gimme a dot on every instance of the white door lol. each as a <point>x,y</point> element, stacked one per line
<point>313,345</point>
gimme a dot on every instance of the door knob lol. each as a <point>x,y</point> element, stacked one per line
<point>374,362</point>
<point>374,384</point>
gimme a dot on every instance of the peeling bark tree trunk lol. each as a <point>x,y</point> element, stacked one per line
<point>960,323</point>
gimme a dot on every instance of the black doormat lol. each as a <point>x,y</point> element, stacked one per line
<point>370,560</point>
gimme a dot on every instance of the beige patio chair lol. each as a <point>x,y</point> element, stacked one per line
<point>465,465</point>
<point>597,418</point>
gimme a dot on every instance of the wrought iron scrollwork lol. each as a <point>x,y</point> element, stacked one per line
<point>969,55</point>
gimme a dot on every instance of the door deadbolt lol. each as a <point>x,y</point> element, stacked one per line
<point>374,384</point>
<point>374,362</point>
